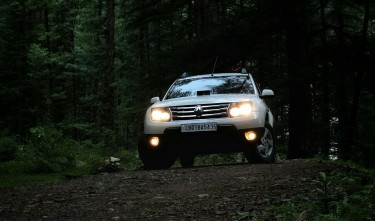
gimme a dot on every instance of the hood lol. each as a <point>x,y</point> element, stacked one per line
<point>209,99</point>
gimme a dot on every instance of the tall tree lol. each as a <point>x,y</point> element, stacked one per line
<point>325,104</point>
<point>300,116</point>
<point>15,25</point>
<point>108,103</point>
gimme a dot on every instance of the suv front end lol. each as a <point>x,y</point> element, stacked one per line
<point>206,114</point>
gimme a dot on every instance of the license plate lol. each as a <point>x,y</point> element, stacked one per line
<point>186,128</point>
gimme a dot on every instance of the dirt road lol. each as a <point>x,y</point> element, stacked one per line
<point>229,192</point>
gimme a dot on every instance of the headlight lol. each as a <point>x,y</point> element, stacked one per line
<point>160,114</point>
<point>240,109</point>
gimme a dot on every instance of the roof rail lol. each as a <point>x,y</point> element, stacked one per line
<point>244,71</point>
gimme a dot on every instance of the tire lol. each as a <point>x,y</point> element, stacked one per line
<point>265,150</point>
<point>161,158</point>
<point>187,161</point>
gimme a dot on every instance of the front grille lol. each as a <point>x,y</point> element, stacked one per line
<point>202,111</point>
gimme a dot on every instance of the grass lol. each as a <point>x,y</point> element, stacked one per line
<point>14,174</point>
<point>18,173</point>
<point>16,180</point>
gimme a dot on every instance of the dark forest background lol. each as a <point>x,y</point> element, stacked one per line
<point>80,73</point>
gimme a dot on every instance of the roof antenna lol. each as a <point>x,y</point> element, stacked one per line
<point>213,70</point>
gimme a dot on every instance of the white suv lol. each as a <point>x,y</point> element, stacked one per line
<point>206,114</point>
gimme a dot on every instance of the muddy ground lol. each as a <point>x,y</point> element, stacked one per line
<point>226,192</point>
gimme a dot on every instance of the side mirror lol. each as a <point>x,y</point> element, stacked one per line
<point>154,100</point>
<point>267,93</point>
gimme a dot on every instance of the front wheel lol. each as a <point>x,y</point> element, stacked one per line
<point>265,150</point>
<point>161,158</point>
<point>187,161</point>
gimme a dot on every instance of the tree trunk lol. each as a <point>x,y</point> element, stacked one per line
<point>48,80</point>
<point>199,17</point>
<point>325,112</point>
<point>343,109</point>
<point>22,121</point>
<point>190,7</point>
<point>299,82</point>
<point>353,127</point>
<point>108,112</point>
<point>94,81</point>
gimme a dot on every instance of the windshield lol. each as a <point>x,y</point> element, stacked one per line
<point>210,85</point>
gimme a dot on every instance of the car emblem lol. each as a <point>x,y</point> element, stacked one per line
<point>198,111</point>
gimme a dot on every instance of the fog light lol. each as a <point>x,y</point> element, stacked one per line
<point>250,135</point>
<point>154,141</point>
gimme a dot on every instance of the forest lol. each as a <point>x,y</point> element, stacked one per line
<point>77,75</point>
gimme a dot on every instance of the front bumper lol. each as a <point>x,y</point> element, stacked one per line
<point>227,139</point>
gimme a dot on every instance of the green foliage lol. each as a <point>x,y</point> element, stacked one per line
<point>38,58</point>
<point>288,211</point>
<point>8,149</point>
<point>49,156</point>
<point>365,145</point>
<point>129,159</point>
<point>90,135</point>
<point>49,143</point>
<point>345,194</point>
<point>324,185</point>
<point>46,151</point>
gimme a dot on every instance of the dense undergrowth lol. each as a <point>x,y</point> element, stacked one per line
<point>48,156</point>
<point>347,193</point>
